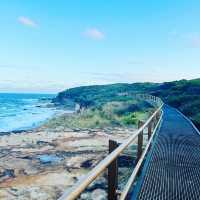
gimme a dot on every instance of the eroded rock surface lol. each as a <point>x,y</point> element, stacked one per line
<point>42,164</point>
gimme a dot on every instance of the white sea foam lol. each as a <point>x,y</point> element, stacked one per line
<point>24,111</point>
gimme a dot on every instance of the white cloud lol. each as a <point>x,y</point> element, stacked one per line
<point>195,41</point>
<point>94,33</point>
<point>27,22</point>
<point>190,39</point>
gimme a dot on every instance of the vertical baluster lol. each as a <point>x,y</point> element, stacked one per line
<point>140,141</point>
<point>154,122</point>
<point>149,130</point>
<point>112,173</point>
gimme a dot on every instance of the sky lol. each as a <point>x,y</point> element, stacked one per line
<point>50,45</point>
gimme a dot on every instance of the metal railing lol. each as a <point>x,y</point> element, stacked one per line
<point>110,161</point>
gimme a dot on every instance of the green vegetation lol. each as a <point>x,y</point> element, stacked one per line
<point>126,113</point>
<point>183,94</point>
<point>97,95</point>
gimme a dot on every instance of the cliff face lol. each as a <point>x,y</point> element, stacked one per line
<point>183,94</point>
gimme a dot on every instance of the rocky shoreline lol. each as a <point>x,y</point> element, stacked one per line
<point>42,163</point>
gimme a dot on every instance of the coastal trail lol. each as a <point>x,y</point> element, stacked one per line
<point>172,171</point>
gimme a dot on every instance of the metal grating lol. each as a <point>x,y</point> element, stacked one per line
<point>173,171</point>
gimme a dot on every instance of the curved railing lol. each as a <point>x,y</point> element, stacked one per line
<point>110,161</point>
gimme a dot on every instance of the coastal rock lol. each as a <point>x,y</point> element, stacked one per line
<point>99,194</point>
<point>43,164</point>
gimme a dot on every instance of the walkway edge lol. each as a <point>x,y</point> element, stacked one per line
<point>189,120</point>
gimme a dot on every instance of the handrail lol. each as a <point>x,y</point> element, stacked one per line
<point>84,182</point>
<point>137,167</point>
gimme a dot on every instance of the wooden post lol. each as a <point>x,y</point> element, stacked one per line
<point>157,118</point>
<point>140,142</point>
<point>154,122</point>
<point>149,130</point>
<point>112,173</point>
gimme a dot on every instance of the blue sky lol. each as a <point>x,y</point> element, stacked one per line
<point>50,45</point>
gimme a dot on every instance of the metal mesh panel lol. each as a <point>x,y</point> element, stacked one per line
<point>173,171</point>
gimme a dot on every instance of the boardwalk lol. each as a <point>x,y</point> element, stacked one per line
<point>173,169</point>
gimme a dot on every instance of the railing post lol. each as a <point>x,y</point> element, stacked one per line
<point>149,130</point>
<point>112,173</point>
<point>140,142</point>
<point>158,116</point>
<point>154,122</point>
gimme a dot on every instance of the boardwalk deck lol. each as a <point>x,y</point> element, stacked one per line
<point>173,170</point>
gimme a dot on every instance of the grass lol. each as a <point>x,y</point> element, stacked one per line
<point>183,94</point>
<point>110,114</point>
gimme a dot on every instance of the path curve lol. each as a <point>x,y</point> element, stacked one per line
<point>173,169</point>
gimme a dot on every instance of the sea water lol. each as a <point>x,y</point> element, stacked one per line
<point>25,111</point>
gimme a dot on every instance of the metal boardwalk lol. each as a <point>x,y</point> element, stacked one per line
<point>173,170</point>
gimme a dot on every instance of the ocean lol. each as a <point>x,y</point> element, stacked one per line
<point>25,111</point>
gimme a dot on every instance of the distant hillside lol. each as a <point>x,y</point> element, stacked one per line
<point>97,95</point>
<point>183,94</point>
